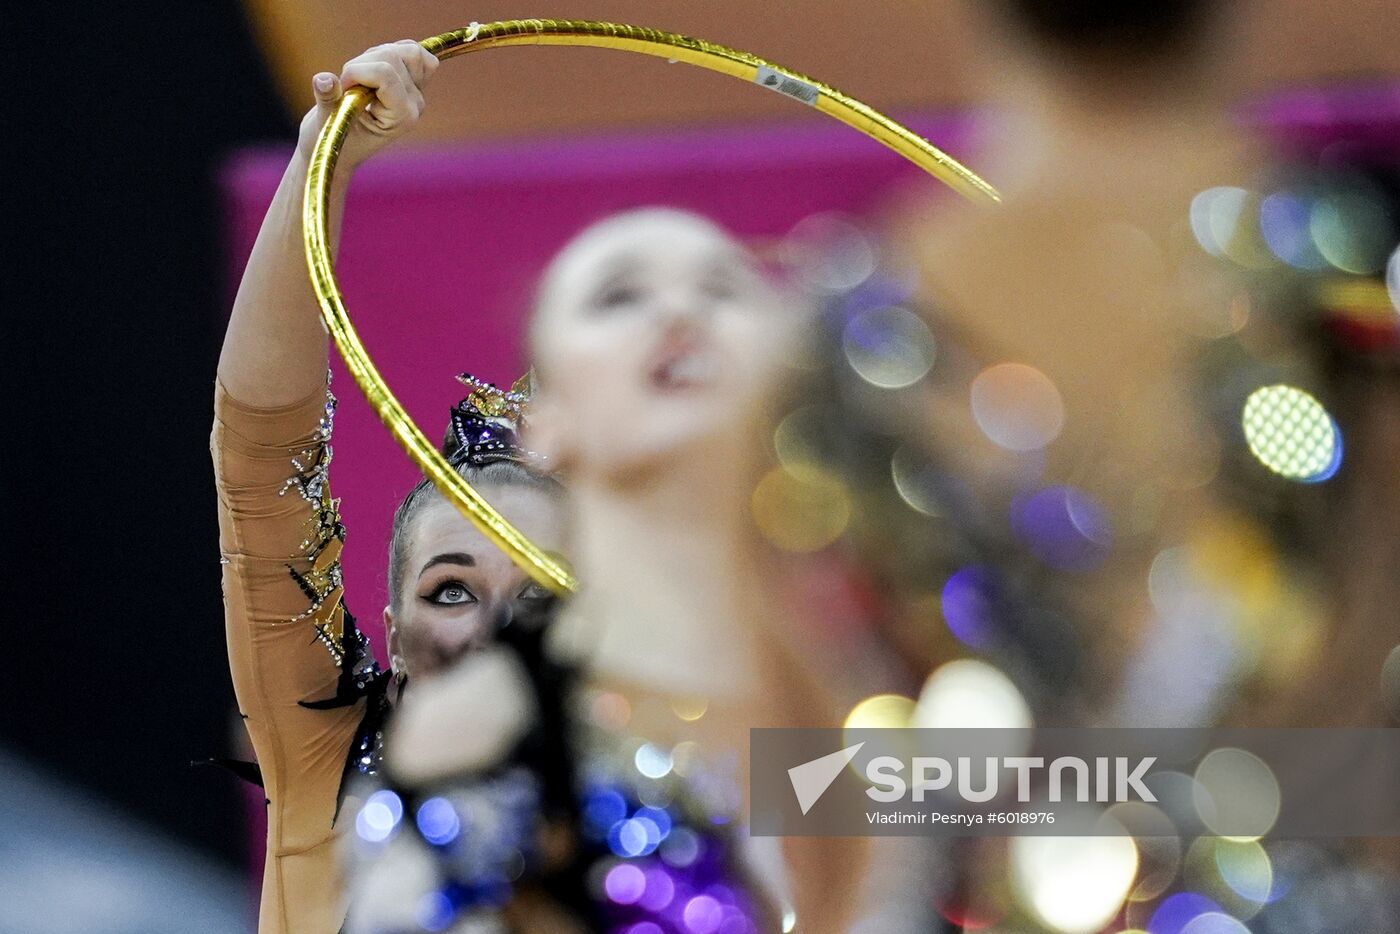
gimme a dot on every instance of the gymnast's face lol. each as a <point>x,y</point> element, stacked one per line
<point>457,586</point>
<point>656,336</point>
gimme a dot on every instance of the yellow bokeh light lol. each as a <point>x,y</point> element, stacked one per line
<point>881,712</point>
<point>801,507</point>
<point>689,708</point>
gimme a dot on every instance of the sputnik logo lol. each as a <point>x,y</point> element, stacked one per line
<point>810,780</point>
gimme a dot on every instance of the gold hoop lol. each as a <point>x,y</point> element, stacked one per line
<point>315,214</point>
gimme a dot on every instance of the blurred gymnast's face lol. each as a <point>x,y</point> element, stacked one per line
<point>656,335</point>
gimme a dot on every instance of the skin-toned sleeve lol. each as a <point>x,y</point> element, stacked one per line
<point>280,538</point>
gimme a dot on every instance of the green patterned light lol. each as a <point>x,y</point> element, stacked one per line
<point>1292,434</point>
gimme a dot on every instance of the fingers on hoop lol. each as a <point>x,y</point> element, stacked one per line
<point>397,73</point>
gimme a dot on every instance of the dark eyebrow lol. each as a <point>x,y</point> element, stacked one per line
<point>454,557</point>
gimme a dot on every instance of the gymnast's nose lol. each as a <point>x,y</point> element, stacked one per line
<point>451,642</point>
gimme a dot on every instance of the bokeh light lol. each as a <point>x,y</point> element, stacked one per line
<point>438,821</point>
<point>1352,231</point>
<point>1177,911</point>
<point>801,507</point>
<point>1291,433</point>
<point>602,808</point>
<point>793,438</point>
<point>379,816</point>
<point>1214,215</point>
<point>658,818</point>
<point>1158,845</point>
<point>1017,406</point>
<point>916,482</point>
<point>660,890</point>
<point>1171,581</point>
<point>1063,527</point>
<point>1214,922</point>
<point>1238,876</point>
<point>968,604</point>
<point>652,761</point>
<point>689,709</point>
<point>1284,220</point>
<point>968,693</point>
<point>702,915</point>
<point>681,848</point>
<point>883,711</point>
<point>1225,222</point>
<point>1074,885</point>
<point>888,347</point>
<point>1392,278</point>
<point>630,838</point>
<point>685,756</point>
<point>1246,869</point>
<point>974,910</point>
<point>610,710</point>
<point>434,911</point>
<point>1176,798</point>
<point>831,252</point>
<point>625,883</point>
<point>1236,794</point>
<point>1390,682</point>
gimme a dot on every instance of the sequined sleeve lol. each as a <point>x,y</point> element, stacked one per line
<point>280,538</point>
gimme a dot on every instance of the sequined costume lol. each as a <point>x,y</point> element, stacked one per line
<point>306,682</point>
<point>583,828</point>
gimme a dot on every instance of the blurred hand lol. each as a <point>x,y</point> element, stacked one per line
<point>397,73</point>
<point>464,721</point>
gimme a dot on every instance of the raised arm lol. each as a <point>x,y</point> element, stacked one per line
<point>279,528</point>
<point>274,351</point>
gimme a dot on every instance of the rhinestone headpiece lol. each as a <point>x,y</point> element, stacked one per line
<point>486,425</point>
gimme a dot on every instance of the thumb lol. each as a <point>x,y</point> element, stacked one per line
<point>326,87</point>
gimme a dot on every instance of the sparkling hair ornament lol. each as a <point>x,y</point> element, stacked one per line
<point>486,425</point>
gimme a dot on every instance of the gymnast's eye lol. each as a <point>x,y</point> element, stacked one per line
<point>617,295</point>
<point>451,593</point>
<point>533,591</point>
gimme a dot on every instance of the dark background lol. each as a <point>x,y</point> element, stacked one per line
<point>114,294</point>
